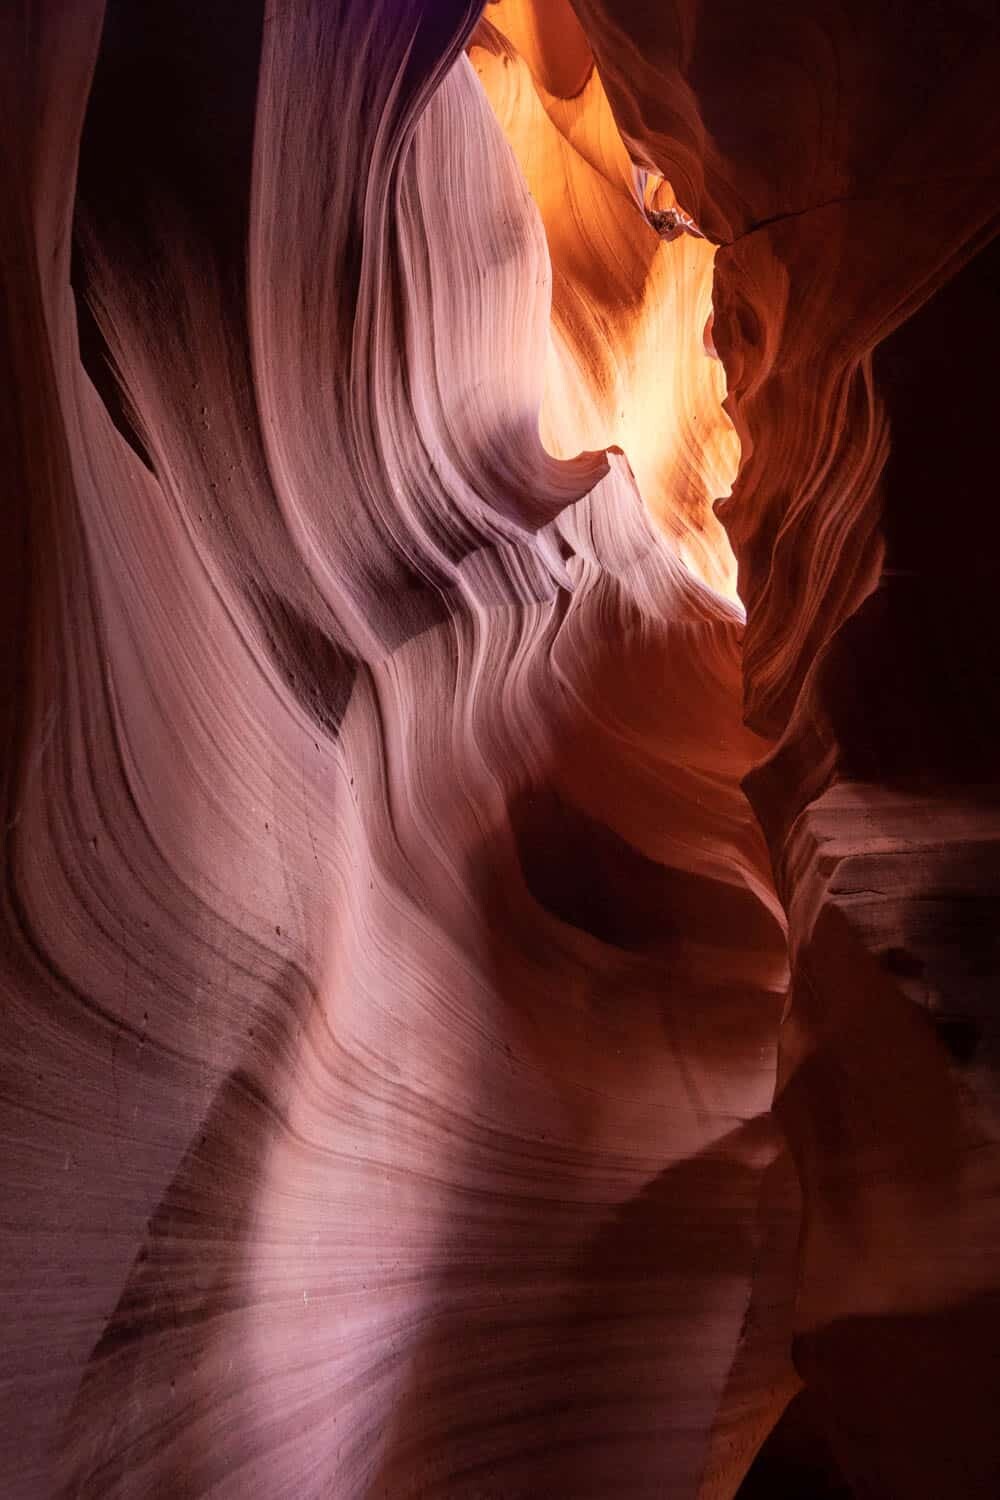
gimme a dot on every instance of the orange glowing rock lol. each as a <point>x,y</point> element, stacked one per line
<point>628,364</point>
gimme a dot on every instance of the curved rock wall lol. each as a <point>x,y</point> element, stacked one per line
<point>847,161</point>
<point>392,967</point>
<point>406,835</point>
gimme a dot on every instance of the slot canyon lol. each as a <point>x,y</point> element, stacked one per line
<point>500,726</point>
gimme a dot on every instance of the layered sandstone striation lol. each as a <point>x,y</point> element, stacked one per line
<point>847,162</point>
<point>392,964</point>
<point>408,829</point>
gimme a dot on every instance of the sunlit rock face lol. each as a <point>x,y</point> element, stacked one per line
<point>396,971</point>
<point>630,360</point>
<point>846,161</point>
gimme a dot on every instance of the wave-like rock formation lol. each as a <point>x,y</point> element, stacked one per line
<point>500,848</point>
<point>855,193</point>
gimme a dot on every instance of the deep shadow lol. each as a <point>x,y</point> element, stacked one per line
<point>887,1379</point>
<point>168,131</point>
<point>909,680</point>
<point>582,871</point>
<point>317,673</point>
<point>796,1462</point>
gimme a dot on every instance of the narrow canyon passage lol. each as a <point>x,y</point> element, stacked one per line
<point>498,945</point>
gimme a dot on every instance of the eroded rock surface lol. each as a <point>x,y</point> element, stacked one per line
<point>847,162</point>
<point>406,835</point>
